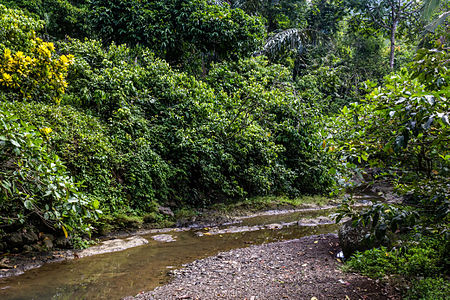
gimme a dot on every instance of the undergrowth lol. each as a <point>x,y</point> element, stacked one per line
<point>423,264</point>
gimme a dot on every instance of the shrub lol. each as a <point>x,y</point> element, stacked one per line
<point>429,288</point>
<point>35,185</point>
<point>18,30</point>
<point>61,18</point>
<point>174,28</point>
<point>30,69</point>
<point>418,262</point>
<point>204,141</point>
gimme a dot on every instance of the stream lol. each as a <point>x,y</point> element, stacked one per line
<point>124,273</point>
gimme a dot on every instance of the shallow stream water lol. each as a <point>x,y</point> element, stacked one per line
<point>119,274</point>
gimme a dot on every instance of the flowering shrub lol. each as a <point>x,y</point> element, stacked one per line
<point>29,67</point>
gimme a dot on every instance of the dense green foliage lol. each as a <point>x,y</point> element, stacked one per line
<point>402,128</point>
<point>135,134</point>
<point>174,28</point>
<point>35,182</point>
<point>424,264</point>
<point>399,132</point>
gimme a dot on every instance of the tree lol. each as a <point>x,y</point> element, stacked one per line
<point>387,16</point>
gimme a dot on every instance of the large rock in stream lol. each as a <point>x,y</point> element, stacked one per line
<point>113,246</point>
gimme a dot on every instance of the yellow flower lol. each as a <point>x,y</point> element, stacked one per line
<point>50,46</point>
<point>19,54</point>
<point>46,130</point>
<point>6,79</point>
<point>64,59</point>
<point>7,53</point>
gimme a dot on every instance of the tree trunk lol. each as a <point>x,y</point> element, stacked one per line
<point>392,56</point>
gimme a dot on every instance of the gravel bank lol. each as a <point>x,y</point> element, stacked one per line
<point>297,269</point>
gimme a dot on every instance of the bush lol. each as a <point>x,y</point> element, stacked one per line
<point>36,186</point>
<point>18,30</point>
<point>418,262</point>
<point>175,29</point>
<point>216,140</point>
<point>61,18</point>
<point>375,263</point>
<point>88,154</point>
<point>401,128</point>
<point>429,288</point>
<point>29,67</point>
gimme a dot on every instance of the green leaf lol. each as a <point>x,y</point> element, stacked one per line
<point>15,143</point>
<point>95,204</point>
<point>28,204</point>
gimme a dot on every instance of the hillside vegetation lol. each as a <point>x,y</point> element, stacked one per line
<point>113,110</point>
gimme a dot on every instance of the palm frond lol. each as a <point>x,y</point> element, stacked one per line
<point>221,3</point>
<point>440,20</point>
<point>429,7</point>
<point>291,38</point>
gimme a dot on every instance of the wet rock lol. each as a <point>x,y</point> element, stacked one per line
<point>166,211</point>
<point>113,246</point>
<point>354,239</point>
<point>63,243</point>
<point>166,238</point>
<point>29,236</point>
<point>16,239</point>
<point>231,229</point>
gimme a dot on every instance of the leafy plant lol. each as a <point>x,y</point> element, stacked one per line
<point>402,128</point>
<point>35,184</point>
<point>429,288</point>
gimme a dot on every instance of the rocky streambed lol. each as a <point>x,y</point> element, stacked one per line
<point>305,268</point>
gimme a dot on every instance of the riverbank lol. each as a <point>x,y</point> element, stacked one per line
<point>297,269</point>
<point>267,208</point>
<point>13,264</point>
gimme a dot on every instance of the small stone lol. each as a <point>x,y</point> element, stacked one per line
<point>27,248</point>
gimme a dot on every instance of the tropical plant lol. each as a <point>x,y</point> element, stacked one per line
<point>35,186</point>
<point>402,128</point>
<point>387,16</point>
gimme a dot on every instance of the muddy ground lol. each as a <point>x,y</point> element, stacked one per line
<point>298,269</point>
